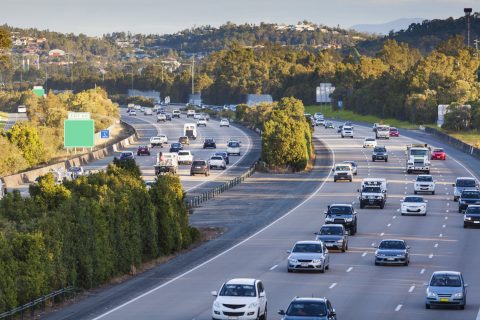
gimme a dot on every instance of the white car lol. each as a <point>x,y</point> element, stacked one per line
<point>158,141</point>
<point>190,113</point>
<point>201,122</point>
<point>319,122</point>
<point>133,113</point>
<point>142,109</point>
<point>369,143</point>
<point>161,117</point>
<point>197,116</point>
<point>217,162</point>
<point>413,205</point>
<point>224,123</point>
<point>424,183</point>
<point>233,147</point>
<point>185,157</point>
<point>240,296</point>
<point>318,115</point>
<point>347,132</point>
<point>147,112</point>
<point>137,107</point>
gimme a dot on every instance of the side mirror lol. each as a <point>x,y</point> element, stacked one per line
<point>214,293</point>
<point>333,170</point>
<point>316,233</point>
<point>408,247</point>
<point>333,313</point>
<point>281,312</point>
<point>426,200</point>
<point>326,250</point>
<point>346,233</point>
<point>262,294</point>
<point>453,184</point>
<point>402,200</point>
<point>358,190</point>
<point>324,212</point>
<point>384,191</point>
<point>425,284</point>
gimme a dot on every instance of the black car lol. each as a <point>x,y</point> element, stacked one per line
<point>468,197</point>
<point>334,236</point>
<point>199,167</point>
<point>143,150</point>
<point>380,153</point>
<point>339,129</point>
<point>309,309</point>
<point>343,214</point>
<point>472,216</point>
<point>175,147</point>
<point>223,154</point>
<point>168,116</point>
<point>209,143</point>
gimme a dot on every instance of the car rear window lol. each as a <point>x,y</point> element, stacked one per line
<point>183,153</point>
<point>340,210</point>
<point>465,183</point>
<point>233,145</point>
<point>470,194</point>
<point>413,199</point>
<point>217,158</point>
<point>474,210</point>
<point>199,163</point>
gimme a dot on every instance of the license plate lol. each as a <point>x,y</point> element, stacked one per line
<point>391,259</point>
<point>443,299</point>
<point>232,318</point>
<point>304,264</point>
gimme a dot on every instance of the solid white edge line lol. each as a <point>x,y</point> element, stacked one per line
<point>229,249</point>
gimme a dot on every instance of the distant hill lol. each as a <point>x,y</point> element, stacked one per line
<point>385,28</point>
<point>426,35</point>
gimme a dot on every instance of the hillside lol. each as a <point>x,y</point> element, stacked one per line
<point>385,28</point>
<point>425,36</point>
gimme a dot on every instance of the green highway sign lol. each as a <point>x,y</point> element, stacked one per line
<point>79,133</point>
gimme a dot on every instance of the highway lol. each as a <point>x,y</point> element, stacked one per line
<point>357,288</point>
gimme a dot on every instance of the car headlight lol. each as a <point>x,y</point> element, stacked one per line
<point>431,294</point>
<point>292,260</point>
<point>329,219</point>
<point>253,305</point>
<point>317,260</point>
<point>467,218</point>
<point>458,295</point>
<point>348,219</point>
<point>340,241</point>
<point>216,304</point>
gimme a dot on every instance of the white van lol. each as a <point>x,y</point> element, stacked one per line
<point>22,109</point>
<point>347,132</point>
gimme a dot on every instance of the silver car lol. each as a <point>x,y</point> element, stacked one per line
<point>392,251</point>
<point>354,166</point>
<point>463,183</point>
<point>334,236</point>
<point>308,255</point>
<point>446,288</point>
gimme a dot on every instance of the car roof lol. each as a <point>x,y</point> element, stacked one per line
<point>456,273</point>
<point>465,178</point>
<point>474,206</point>
<point>242,281</point>
<point>309,242</point>
<point>398,240</point>
<point>311,299</point>
<point>341,205</point>
<point>333,225</point>
<point>414,196</point>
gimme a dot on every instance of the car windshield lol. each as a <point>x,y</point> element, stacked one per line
<point>347,128</point>
<point>238,290</point>
<point>126,154</point>
<point>370,139</point>
<point>353,164</point>
<point>198,163</point>
<point>379,149</point>
<point>308,247</point>
<point>216,158</point>
<point>340,210</point>
<point>332,231</point>
<point>233,145</point>
<point>473,210</point>
<point>425,178</point>
<point>372,190</point>
<point>175,145</point>
<point>465,183</point>
<point>418,152</point>
<point>413,199</point>
<point>183,153</point>
<point>392,245</point>
<point>393,129</point>
<point>307,309</point>
<point>471,194</point>
<point>438,150</point>
<point>343,168</point>
<point>208,140</point>
<point>446,280</point>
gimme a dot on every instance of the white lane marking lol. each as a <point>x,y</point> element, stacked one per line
<point>349,269</point>
<point>382,234</point>
<point>398,308</point>
<point>388,225</point>
<point>406,188</point>
<point>447,211</point>
<point>272,268</point>
<point>443,226</point>
<point>364,254</point>
<point>332,285</point>
<point>440,235</point>
<point>422,271</point>
<point>478,315</point>
<point>373,244</point>
<point>398,210</point>
<point>430,256</point>
<point>395,217</point>
<point>411,289</point>
<point>448,204</point>
<point>436,245</point>
<point>405,192</point>
<point>229,249</point>
<point>446,218</point>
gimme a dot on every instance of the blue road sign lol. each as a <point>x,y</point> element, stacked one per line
<point>105,134</point>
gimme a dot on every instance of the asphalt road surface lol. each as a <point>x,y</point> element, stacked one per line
<point>357,288</point>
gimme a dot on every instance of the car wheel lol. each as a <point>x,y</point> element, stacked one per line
<point>427,306</point>
<point>334,180</point>
<point>433,192</point>
<point>289,270</point>
<point>265,312</point>
<point>373,159</point>
<point>455,199</point>
<point>402,214</point>
<point>362,205</point>
<point>376,263</point>
<point>459,210</point>
<point>343,248</point>
<point>382,205</point>
<point>386,160</point>
<point>462,307</point>
<point>350,180</point>
<point>323,269</point>
<point>328,266</point>
<point>406,263</point>
<point>409,171</point>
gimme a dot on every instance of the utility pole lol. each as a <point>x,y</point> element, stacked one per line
<point>468,12</point>
<point>193,74</point>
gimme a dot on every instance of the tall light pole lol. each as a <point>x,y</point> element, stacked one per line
<point>468,12</point>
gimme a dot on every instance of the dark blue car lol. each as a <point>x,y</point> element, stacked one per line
<point>309,309</point>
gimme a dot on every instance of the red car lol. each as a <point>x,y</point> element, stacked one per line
<point>143,150</point>
<point>439,154</point>
<point>394,132</point>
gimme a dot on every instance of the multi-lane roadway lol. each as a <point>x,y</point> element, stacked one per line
<point>357,288</point>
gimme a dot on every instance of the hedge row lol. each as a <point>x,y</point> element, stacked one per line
<point>286,133</point>
<point>87,231</point>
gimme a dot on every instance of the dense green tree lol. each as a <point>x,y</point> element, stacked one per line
<point>25,136</point>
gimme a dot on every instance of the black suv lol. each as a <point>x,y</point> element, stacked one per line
<point>468,197</point>
<point>343,214</point>
<point>209,143</point>
<point>472,216</point>
<point>309,308</point>
<point>380,153</point>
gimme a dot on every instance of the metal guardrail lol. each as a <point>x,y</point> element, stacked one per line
<point>31,306</point>
<point>197,200</point>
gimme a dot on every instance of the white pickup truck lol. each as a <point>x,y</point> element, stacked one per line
<point>158,141</point>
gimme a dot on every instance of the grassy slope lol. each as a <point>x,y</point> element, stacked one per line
<point>472,138</point>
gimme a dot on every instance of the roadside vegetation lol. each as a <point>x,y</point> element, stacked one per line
<point>286,135</point>
<point>85,232</point>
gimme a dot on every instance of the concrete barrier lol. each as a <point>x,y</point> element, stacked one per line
<point>29,176</point>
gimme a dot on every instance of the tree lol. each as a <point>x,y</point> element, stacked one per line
<point>25,136</point>
<point>11,159</point>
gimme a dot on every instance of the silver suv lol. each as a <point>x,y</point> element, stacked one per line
<point>308,255</point>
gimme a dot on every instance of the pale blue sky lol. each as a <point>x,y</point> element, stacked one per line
<point>96,17</point>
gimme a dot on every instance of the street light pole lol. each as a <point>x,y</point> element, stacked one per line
<point>468,12</point>
<point>193,74</point>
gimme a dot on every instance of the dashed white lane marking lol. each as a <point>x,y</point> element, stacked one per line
<point>447,194</point>
<point>446,218</point>
<point>395,217</point>
<point>398,308</point>
<point>430,256</point>
<point>436,245</point>
<point>448,204</point>
<point>272,268</point>
<point>332,285</point>
<point>443,226</point>
<point>389,225</point>
<point>398,210</point>
<point>364,254</point>
<point>406,188</point>
<point>349,269</point>
<point>382,234</point>
<point>405,192</point>
<point>422,271</point>
<point>373,244</point>
<point>411,289</point>
<point>447,211</point>
<point>440,235</point>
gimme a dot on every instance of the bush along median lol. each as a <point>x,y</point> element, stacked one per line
<point>85,232</point>
<point>286,134</point>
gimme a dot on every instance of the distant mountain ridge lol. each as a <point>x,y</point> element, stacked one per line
<point>385,28</point>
